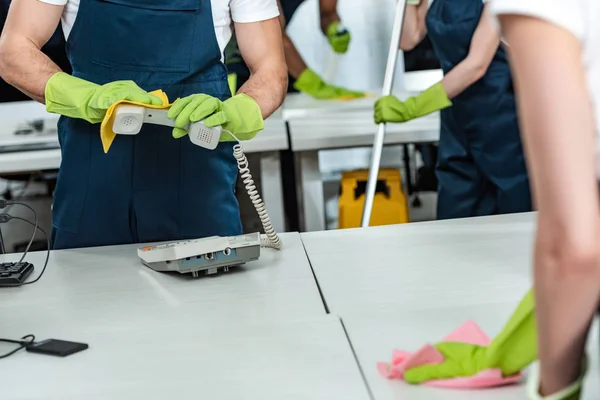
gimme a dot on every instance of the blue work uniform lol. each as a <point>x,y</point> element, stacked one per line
<point>481,166</point>
<point>148,187</point>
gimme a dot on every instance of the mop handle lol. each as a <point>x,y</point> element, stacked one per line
<point>388,82</point>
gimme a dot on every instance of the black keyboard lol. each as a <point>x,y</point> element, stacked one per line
<point>14,273</point>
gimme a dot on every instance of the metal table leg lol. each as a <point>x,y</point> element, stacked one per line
<point>310,197</point>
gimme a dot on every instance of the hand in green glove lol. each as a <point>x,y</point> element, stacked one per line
<point>311,83</point>
<point>339,37</point>
<point>73,97</point>
<point>511,351</point>
<point>390,109</point>
<point>239,114</point>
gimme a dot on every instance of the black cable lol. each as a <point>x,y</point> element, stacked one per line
<point>23,344</point>
<point>6,218</point>
<point>35,228</point>
<point>47,252</point>
<point>2,248</point>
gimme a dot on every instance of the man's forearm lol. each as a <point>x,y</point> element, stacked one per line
<point>25,67</point>
<point>267,86</point>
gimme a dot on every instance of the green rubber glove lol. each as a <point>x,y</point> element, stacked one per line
<point>391,109</point>
<point>312,84</point>
<point>239,114</point>
<point>571,392</point>
<point>232,82</point>
<point>511,351</point>
<point>339,37</point>
<point>77,98</point>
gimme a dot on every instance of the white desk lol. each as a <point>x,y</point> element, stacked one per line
<point>186,358</point>
<point>375,335</point>
<point>427,265</point>
<point>318,125</point>
<point>42,152</point>
<point>258,332</point>
<point>111,284</point>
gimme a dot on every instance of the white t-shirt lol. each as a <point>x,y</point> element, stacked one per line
<point>582,19</point>
<point>223,11</point>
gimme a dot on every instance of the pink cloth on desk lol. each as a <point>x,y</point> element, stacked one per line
<point>470,333</point>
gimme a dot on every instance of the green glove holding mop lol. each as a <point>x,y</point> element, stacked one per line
<point>312,84</point>
<point>77,98</point>
<point>511,351</point>
<point>240,115</point>
<point>391,109</point>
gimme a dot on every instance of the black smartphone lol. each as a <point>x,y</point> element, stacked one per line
<point>54,347</point>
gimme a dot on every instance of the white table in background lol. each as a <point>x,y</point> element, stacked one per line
<point>375,335</point>
<point>429,265</point>
<point>320,125</point>
<point>40,152</point>
<point>110,283</point>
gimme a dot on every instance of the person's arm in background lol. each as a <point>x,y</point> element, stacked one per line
<point>331,26</point>
<point>559,137</point>
<point>484,46</point>
<point>481,52</point>
<point>293,59</point>
<point>29,25</point>
<point>414,29</point>
<point>328,14</point>
<point>260,44</point>
<point>307,80</point>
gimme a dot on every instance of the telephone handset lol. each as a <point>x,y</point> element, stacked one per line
<point>130,118</point>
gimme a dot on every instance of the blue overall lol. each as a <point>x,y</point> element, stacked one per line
<point>148,187</point>
<point>481,166</point>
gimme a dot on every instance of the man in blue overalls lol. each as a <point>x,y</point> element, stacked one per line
<point>150,186</point>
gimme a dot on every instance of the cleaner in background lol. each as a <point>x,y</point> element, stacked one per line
<point>301,78</point>
<point>481,167</point>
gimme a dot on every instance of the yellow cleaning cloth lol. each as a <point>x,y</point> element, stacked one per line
<point>350,98</point>
<point>106,133</point>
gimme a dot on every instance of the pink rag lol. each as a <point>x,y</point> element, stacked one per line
<point>470,333</point>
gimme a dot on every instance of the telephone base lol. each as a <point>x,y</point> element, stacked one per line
<point>202,256</point>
